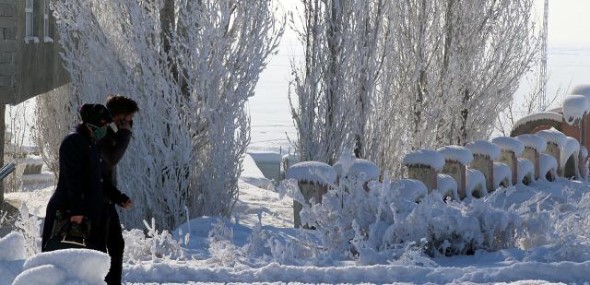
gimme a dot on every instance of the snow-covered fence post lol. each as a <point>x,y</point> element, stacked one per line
<point>533,146</point>
<point>424,165</point>
<point>582,165</point>
<point>484,154</point>
<point>511,149</point>
<point>360,170</point>
<point>314,178</point>
<point>574,109</point>
<point>456,160</point>
<point>569,158</point>
<point>555,141</point>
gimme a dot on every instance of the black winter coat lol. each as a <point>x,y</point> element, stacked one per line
<point>80,189</point>
<point>112,149</point>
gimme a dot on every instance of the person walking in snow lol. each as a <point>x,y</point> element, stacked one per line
<point>79,196</point>
<point>112,149</point>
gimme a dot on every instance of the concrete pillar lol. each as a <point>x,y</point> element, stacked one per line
<point>509,158</point>
<point>424,165</point>
<point>311,192</point>
<point>457,170</point>
<point>532,155</point>
<point>486,166</point>
<point>554,150</point>
<point>313,179</point>
<point>425,174</point>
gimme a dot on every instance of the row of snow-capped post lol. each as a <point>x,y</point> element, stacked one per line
<point>456,172</point>
<point>483,166</point>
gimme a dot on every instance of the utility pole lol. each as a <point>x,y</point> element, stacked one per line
<point>543,68</point>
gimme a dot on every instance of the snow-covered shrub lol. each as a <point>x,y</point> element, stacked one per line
<point>443,227</point>
<point>153,245</point>
<point>342,207</point>
<point>29,226</point>
<point>265,246</point>
<point>221,245</point>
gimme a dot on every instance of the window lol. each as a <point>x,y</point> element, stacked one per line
<point>29,18</point>
<point>48,37</point>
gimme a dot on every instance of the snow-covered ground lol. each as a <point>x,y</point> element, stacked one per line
<point>262,247</point>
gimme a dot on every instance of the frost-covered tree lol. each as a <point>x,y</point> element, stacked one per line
<point>191,65</point>
<point>437,72</point>
<point>459,63</point>
<point>332,94</point>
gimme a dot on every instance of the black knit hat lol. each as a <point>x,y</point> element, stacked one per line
<point>94,114</point>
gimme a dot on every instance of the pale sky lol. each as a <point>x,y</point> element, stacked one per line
<point>569,22</point>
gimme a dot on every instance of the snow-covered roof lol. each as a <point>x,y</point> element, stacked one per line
<point>525,167</point>
<point>574,108</point>
<point>509,144</point>
<point>456,153</point>
<point>501,172</point>
<point>547,163</point>
<point>484,148</point>
<point>533,141</point>
<point>554,116</point>
<point>425,157</point>
<point>571,147</point>
<point>553,136</point>
<point>359,167</point>
<point>312,171</point>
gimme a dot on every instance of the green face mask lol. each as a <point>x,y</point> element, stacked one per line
<point>98,132</point>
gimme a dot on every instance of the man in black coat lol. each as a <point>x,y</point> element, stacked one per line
<point>112,149</point>
<point>80,191</point>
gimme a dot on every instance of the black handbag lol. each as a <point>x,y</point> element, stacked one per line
<point>66,234</point>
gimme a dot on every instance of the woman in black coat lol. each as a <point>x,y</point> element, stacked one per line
<point>79,194</point>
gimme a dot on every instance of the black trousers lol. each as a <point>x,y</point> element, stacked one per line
<point>115,247</point>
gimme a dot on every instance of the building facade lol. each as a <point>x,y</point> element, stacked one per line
<point>30,63</point>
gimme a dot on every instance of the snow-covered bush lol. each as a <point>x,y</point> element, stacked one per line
<point>30,227</point>
<point>445,227</point>
<point>150,246</point>
<point>391,216</point>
